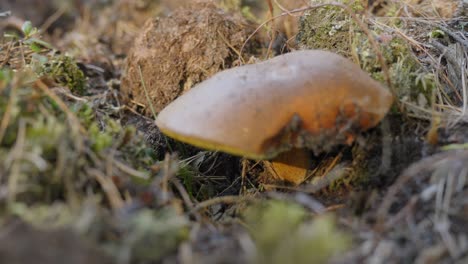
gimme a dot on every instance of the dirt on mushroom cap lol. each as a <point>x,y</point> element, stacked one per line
<point>313,99</point>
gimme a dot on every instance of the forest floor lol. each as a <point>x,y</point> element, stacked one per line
<point>87,177</point>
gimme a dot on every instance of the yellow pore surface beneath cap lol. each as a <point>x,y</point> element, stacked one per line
<point>243,110</point>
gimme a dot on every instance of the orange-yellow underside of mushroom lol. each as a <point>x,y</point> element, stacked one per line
<point>304,99</point>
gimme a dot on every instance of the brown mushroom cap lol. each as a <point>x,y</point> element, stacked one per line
<point>311,98</point>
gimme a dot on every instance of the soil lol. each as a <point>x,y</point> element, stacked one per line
<point>173,54</point>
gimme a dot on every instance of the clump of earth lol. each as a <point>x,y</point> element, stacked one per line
<point>174,53</point>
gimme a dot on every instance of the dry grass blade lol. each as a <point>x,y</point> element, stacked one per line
<point>419,168</point>
<point>75,124</point>
<point>228,199</point>
<point>111,191</point>
<point>7,114</point>
<point>13,162</point>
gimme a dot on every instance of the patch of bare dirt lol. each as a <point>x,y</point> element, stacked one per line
<point>173,53</point>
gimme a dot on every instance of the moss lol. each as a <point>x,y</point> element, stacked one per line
<point>51,215</point>
<point>64,70</point>
<point>153,235</point>
<point>408,76</point>
<point>331,28</point>
<point>48,145</point>
<point>328,28</point>
<point>283,233</point>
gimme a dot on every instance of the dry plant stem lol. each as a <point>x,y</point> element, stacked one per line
<point>285,9</point>
<point>386,157</point>
<point>427,21</point>
<point>464,42</point>
<point>229,199</point>
<point>270,7</point>
<point>63,170</point>
<point>408,174</point>
<point>66,93</point>
<point>464,71</point>
<point>338,172</point>
<point>146,92</point>
<point>406,210</point>
<point>324,181</point>
<point>185,197</point>
<point>332,164</point>
<point>273,31</point>
<point>361,25</point>
<point>23,58</point>
<point>303,199</point>
<point>232,47</point>
<point>448,54</point>
<point>109,188</point>
<point>75,124</point>
<point>278,16</point>
<point>13,159</point>
<point>109,160</point>
<point>168,174</point>
<point>334,207</point>
<point>51,19</point>
<point>243,175</point>
<point>129,170</point>
<point>7,55</point>
<point>412,41</point>
<point>7,114</point>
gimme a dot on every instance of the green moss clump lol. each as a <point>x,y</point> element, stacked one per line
<point>410,79</point>
<point>64,70</point>
<point>151,234</point>
<point>328,28</point>
<point>283,233</point>
<point>332,28</point>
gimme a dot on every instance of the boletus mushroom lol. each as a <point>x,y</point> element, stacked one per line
<point>305,99</point>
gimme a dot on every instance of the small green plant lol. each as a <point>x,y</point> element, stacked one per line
<point>64,70</point>
<point>30,37</point>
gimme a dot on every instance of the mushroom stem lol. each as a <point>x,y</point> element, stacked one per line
<point>291,166</point>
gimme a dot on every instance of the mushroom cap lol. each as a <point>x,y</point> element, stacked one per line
<point>311,98</point>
